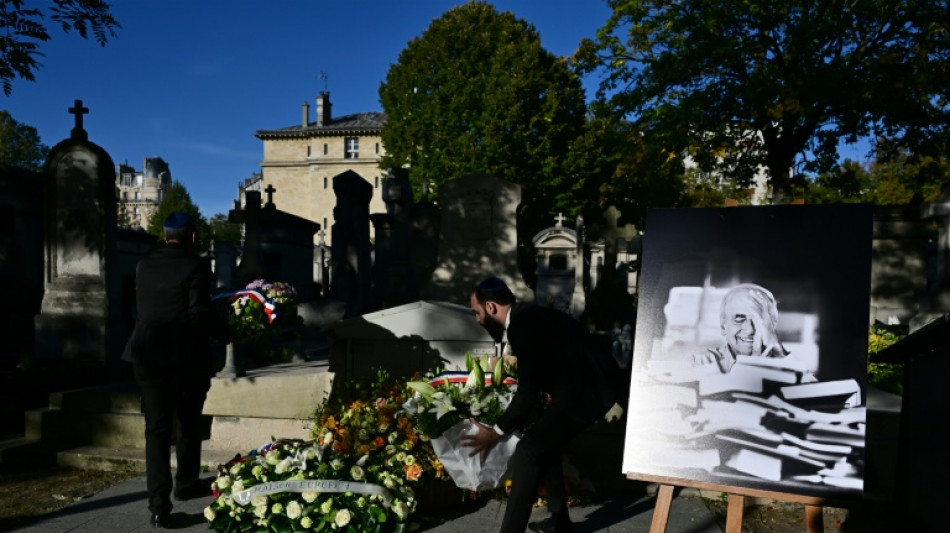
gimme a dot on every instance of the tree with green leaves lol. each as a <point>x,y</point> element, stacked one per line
<point>477,93</point>
<point>224,231</point>
<point>756,84</point>
<point>176,198</point>
<point>895,180</point>
<point>20,144</point>
<point>22,30</point>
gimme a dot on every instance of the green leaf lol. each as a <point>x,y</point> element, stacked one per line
<point>499,374</point>
<point>422,388</point>
<point>469,361</point>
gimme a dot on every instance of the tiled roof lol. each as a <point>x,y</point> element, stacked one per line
<point>356,123</point>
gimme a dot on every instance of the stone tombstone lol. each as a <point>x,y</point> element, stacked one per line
<point>416,337</point>
<point>614,260</point>
<point>579,301</point>
<point>937,300</point>
<point>557,263</point>
<point>478,238</point>
<point>79,231</point>
<point>278,246</point>
<point>21,258</point>
<point>899,267</point>
<point>321,265</point>
<point>225,263</point>
<point>396,281</point>
<point>351,261</point>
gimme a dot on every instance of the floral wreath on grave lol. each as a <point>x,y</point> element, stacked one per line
<point>442,407</point>
<point>259,308</point>
<point>359,474</point>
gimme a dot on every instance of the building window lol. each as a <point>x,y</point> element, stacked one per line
<point>324,148</point>
<point>325,182</point>
<point>377,182</point>
<point>352,148</point>
<point>125,195</point>
<point>377,148</point>
<point>136,211</point>
<point>138,195</point>
<point>324,222</point>
<point>308,151</point>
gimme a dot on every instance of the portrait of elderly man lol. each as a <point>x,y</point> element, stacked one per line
<point>748,320</point>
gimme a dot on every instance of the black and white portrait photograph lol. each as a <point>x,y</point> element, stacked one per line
<point>750,351</point>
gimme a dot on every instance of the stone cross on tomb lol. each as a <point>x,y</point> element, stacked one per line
<point>78,110</point>
<point>559,219</point>
<point>322,233</point>
<point>270,190</point>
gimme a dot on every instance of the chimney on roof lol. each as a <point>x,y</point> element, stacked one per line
<point>305,115</point>
<point>323,108</point>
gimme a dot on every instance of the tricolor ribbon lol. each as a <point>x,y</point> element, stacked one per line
<point>461,377</point>
<point>270,307</point>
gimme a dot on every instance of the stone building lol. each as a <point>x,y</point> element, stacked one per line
<point>139,193</point>
<point>300,161</point>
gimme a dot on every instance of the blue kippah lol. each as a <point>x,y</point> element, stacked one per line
<point>492,285</point>
<point>179,220</point>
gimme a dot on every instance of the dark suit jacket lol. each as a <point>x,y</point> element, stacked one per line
<point>175,312</point>
<point>557,355</point>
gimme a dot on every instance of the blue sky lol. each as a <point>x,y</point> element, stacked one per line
<point>190,81</point>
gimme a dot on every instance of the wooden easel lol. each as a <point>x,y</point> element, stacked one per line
<point>664,499</point>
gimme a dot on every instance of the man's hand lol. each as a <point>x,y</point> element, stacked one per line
<point>482,441</point>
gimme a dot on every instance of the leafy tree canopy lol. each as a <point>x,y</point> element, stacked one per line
<point>20,144</point>
<point>22,30</point>
<point>176,198</point>
<point>224,231</point>
<point>744,84</point>
<point>476,93</point>
<point>896,180</point>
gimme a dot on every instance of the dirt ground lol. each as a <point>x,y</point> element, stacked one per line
<point>790,518</point>
<point>38,492</point>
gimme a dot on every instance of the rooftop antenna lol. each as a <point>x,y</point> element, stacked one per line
<point>323,76</point>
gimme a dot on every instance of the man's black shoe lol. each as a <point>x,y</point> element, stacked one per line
<point>550,525</point>
<point>199,489</point>
<point>160,521</point>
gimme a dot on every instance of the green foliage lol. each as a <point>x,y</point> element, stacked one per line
<point>625,167</point>
<point>477,93</point>
<point>223,231</point>
<point>176,198</point>
<point>23,29</point>
<point>885,376</point>
<point>20,144</point>
<point>744,85</point>
<point>899,180</point>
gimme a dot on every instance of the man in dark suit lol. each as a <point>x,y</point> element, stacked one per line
<point>171,360</point>
<point>555,356</point>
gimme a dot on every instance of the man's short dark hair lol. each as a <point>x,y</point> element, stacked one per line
<point>179,226</point>
<point>493,290</point>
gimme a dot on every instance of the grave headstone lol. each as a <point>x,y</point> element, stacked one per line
<point>278,246</point>
<point>478,238</point>
<point>937,300</point>
<point>394,276</point>
<point>352,280</point>
<point>79,230</point>
<point>21,258</point>
<point>557,263</point>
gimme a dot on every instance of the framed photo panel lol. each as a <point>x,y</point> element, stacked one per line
<point>750,355</point>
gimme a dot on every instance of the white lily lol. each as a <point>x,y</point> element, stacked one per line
<point>442,407</point>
